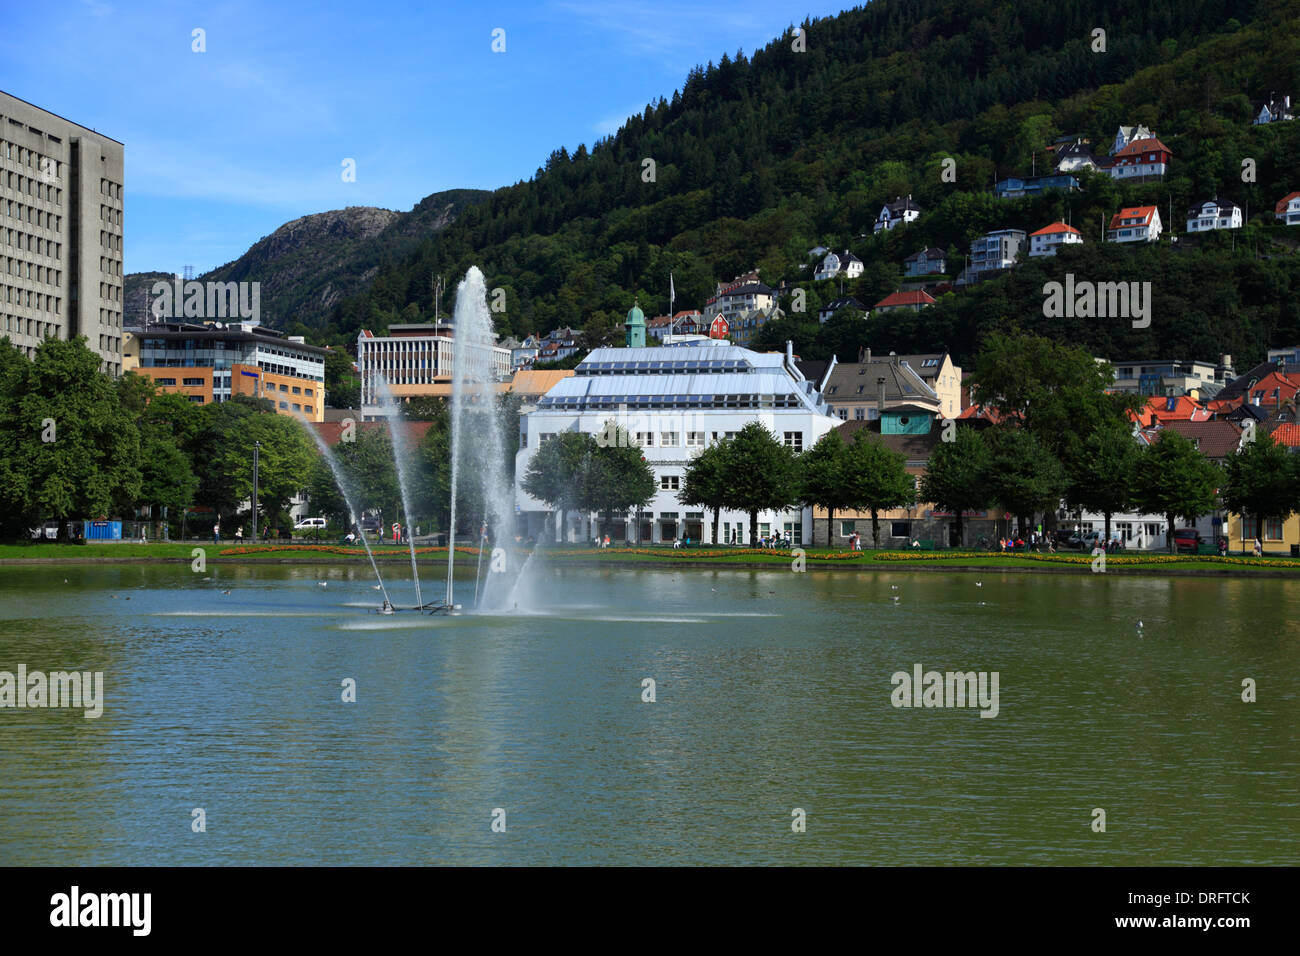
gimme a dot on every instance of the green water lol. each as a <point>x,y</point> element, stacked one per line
<point>773,693</point>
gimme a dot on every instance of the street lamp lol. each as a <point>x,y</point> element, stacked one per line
<point>257,445</point>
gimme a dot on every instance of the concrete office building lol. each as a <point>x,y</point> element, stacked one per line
<point>60,232</point>
<point>213,361</point>
<point>415,359</point>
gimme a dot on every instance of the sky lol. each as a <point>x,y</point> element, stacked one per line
<point>225,145</point>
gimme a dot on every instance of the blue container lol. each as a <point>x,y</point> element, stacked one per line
<point>103,531</point>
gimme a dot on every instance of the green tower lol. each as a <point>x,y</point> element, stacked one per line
<point>635,326</point>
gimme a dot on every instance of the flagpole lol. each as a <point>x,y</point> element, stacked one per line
<point>672,298</point>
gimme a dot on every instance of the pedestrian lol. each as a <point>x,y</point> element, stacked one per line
<point>1259,547</point>
<point>239,533</point>
<point>216,533</point>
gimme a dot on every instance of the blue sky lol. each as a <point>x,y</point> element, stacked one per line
<point>224,146</point>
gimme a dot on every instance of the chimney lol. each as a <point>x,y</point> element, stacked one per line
<point>880,397</point>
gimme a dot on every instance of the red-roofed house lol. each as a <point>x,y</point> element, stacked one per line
<point>1135,224</point>
<point>1141,159</point>
<point>916,301</point>
<point>1162,409</point>
<point>1047,240</point>
<point>1287,209</point>
<point>1273,390</point>
<point>1288,434</point>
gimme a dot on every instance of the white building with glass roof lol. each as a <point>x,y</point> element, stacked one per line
<point>673,401</point>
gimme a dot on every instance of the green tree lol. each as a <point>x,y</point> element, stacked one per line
<point>1100,471</point>
<point>1173,478</point>
<point>957,477</point>
<point>556,470</point>
<point>71,446</point>
<point>759,473</point>
<point>703,485</point>
<point>825,477</point>
<point>1024,476</point>
<point>1261,481</point>
<point>877,479</point>
<point>615,478</point>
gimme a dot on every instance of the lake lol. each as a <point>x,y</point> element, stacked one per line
<point>774,692</point>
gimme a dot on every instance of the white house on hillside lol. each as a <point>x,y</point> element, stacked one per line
<point>1213,214</point>
<point>1276,110</point>
<point>1287,210</point>
<point>845,263</point>
<point>1047,240</point>
<point>1135,224</point>
<point>899,211</point>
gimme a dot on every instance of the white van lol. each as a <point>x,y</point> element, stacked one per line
<point>308,524</point>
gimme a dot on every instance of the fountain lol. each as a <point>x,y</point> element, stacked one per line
<point>394,416</point>
<point>347,500</point>
<point>474,413</point>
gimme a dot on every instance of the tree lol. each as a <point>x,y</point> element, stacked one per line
<point>825,477</point>
<point>1054,391</point>
<point>555,471</point>
<point>759,473</point>
<point>1173,478</point>
<point>1024,476</point>
<point>1100,471</point>
<point>957,477</point>
<point>877,479</point>
<point>703,485</point>
<point>616,478</point>
<point>71,448</point>
<point>1261,481</point>
<point>369,476</point>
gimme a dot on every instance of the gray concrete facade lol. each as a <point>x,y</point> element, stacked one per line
<point>61,229</point>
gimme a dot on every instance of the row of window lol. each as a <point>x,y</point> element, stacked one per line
<point>40,301</point>
<point>10,265</point>
<point>112,266</point>
<point>110,215</point>
<point>601,402</point>
<point>18,325</point>
<point>32,215</point>
<point>669,439</point>
<point>111,292</point>
<point>110,240</point>
<point>110,318</point>
<point>110,343</point>
<point>37,244</point>
<point>110,189</point>
<point>32,187</point>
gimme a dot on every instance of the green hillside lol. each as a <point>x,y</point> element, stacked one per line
<point>758,159</point>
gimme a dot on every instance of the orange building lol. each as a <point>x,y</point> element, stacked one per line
<point>215,361</point>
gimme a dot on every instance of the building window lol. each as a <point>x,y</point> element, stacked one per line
<point>196,399</point>
<point>284,405</point>
<point>900,529</point>
<point>669,482</point>
<point>847,528</point>
<point>694,439</point>
<point>645,439</point>
<point>1272,529</point>
<point>193,382</point>
<point>794,440</point>
<point>668,439</point>
<point>859,414</point>
<point>1249,526</point>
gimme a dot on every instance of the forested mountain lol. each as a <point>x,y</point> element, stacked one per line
<point>757,159</point>
<point>308,265</point>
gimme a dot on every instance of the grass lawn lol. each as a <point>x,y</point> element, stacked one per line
<point>582,555</point>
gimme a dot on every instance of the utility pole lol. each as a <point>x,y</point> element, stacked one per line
<point>257,445</point>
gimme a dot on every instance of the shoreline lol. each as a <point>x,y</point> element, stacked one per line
<point>682,564</point>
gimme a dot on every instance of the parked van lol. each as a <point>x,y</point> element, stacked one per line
<point>1187,540</point>
<point>310,524</point>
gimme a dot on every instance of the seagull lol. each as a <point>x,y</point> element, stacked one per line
<point>893,587</point>
<point>979,584</point>
<point>65,580</point>
<point>1139,625</point>
<point>374,587</point>
<point>226,591</point>
<point>321,583</point>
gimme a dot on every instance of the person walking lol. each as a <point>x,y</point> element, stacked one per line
<point>216,533</point>
<point>1259,547</point>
